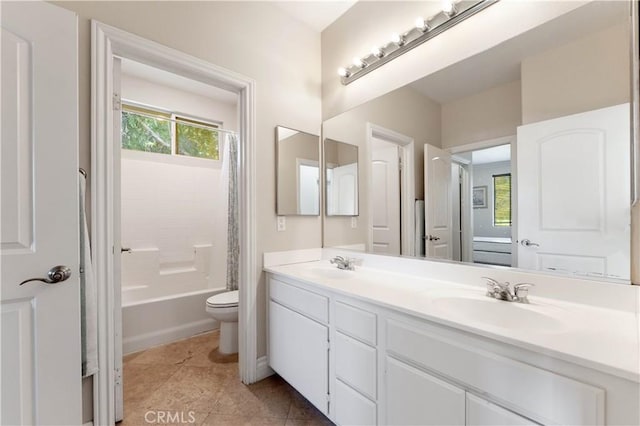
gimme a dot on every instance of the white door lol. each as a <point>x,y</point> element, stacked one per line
<point>41,360</point>
<point>385,196</point>
<point>414,397</point>
<point>438,202</point>
<point>343,194</point>
<point>573,185</point>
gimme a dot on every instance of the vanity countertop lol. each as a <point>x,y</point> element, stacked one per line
<point>603,339</point>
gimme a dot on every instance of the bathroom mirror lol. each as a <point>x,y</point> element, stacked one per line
<point>341,178</point>
<point>298,173</point>
<point>518,156</point>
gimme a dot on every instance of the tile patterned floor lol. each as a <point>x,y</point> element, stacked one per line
<point>190,382</point>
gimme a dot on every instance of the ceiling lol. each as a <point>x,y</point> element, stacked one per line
<point>501,64</point>
<point>317,14</point>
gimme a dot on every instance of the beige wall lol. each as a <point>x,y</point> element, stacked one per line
<point>485,115</point>
<point>405,111</point>
<point>587,74</point>
<point>369,23</point>
<point>256,39</point>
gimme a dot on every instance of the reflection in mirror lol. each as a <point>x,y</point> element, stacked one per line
<point>298,173</point>
<point>521,153</point>
<point>341,171</point>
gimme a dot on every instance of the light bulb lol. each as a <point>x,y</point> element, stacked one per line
<point>449,8</point>
<point>377,52</point>
<point>397,39</point>
<point>421,24</point>
<point>358,62</point>
<point>343,72</point>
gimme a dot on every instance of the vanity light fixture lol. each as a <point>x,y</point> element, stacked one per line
<point>453,12</point>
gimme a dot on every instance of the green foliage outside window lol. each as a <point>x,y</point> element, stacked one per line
<point>150,130</point>
<point>144,133</point>
<point>196,141</point>
<point>502,200</point>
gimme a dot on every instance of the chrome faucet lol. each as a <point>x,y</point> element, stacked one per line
<point>343,263</point>
<point>504,291</point>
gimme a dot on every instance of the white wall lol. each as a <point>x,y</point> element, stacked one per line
<point>483,217</point>
<point>179,101</point>
<point>172,206</point>
<point>256,39</point>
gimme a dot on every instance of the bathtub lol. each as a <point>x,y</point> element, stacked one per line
<point>170,308</point>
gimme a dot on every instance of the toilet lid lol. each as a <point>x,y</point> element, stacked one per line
<point>228,298</point>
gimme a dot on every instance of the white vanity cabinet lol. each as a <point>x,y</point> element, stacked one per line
<point>361,363</point>
<point>299,340</point>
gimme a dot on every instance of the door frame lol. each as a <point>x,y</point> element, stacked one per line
<point>407,182</point>
<point>511,140</point>
<point>108,43</point>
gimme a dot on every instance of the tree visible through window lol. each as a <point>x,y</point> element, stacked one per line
<point>149,130</point>
<point>146,130</point>
<point>502,200</point>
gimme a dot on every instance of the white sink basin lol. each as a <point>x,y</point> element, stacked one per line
<point>498,313</point>
<point>331,272</point>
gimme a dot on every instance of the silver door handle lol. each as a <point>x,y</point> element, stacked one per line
<point>432,238</point>
<point>528,243</point>
<point>55,275</point>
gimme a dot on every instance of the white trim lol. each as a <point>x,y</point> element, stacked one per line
<point>107,41</point>
<point>263,370</point>
<point>407,176</point>
<point>511,139</point>
<point>160,337</point>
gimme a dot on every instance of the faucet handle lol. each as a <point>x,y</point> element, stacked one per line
<point>521,291</point>
<point>336,259</point>
<point>491,281</point>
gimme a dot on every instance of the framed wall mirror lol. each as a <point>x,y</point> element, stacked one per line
<point>297,173</point>
<point>520,154</point>
<point>341,178</point>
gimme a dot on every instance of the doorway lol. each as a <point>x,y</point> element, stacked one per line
<point>108,45</point>
<point>390,165</point>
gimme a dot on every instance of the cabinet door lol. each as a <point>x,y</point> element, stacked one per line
<point>484,413</point>
<point>298,351</point>
<point>414,397</point>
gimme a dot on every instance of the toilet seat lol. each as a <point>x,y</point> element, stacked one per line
<point>228,299</point>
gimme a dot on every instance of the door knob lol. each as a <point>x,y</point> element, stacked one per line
<point>55,275</point>
<point>528,243</point>
<point>432,238</point>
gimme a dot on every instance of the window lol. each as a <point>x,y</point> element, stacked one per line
<point>146,130</point>
<point>196,138</point>
<point>502,200</point>
<point>150,130</point>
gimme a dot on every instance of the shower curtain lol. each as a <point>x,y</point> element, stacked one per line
<point>233,241</point>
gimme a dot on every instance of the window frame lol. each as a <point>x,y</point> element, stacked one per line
<point>495,199</point>
<point>173,117</point>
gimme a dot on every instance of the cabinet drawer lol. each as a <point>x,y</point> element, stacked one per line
<point>356,322</point>
<point>303,301</point>
<point>351,408</point>
<point>356,364</point>
<point>538,394</point>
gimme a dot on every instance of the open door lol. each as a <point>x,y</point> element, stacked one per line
<point>438,202</point>
<point>41,355</point>
<point>575,172</point>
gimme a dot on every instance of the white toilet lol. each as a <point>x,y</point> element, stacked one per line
<point>224,308</point>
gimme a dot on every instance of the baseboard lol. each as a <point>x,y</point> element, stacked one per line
<point>262,369</point>
<point>168,335</point>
